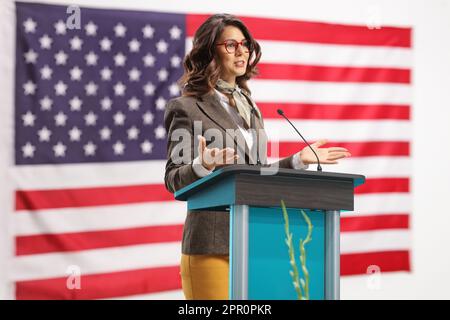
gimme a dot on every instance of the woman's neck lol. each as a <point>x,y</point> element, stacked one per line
<point>231,81</point>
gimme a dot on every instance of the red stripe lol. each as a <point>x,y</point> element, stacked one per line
<point>76,241</point>
<point>100,286</point>
<point>357,149</point>
<point>315,32</point>
<point>382,185</point>
<point>375,222</point>
<point>386,261</point>
<point>335,111</point>
<point>86,197</point>
<point>336,74</point>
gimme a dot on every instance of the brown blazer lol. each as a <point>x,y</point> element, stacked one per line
<point>205,232</point>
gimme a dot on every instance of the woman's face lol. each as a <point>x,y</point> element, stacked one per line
<point>232,64</point>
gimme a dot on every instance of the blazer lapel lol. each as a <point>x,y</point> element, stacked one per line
<point>213,109</point>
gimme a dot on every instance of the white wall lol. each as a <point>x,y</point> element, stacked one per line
<point>431,121</point>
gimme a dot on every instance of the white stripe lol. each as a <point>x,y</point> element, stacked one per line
<point>329,92</point>
<point>290,52</point>
<point>99,218</point>
<point>50,265</point>
<point>373,241</point>
<point>370,167</point>
<point>87,175</point>
<point>335,55</point>
<point>380,203</point>
<point>163,295</point>
<point>339,130</point>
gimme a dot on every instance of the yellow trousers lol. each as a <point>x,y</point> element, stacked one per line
<point>204,277</point>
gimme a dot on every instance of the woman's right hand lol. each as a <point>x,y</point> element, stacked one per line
<point>214,157</point>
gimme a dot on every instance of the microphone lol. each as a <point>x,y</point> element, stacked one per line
<point>281,113</point>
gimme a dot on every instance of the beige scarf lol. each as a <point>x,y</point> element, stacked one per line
<point>240,99</point>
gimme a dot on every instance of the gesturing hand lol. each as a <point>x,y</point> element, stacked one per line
<point>326,155</point>
<point>214,157</point>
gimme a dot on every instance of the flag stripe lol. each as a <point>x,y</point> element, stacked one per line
<point>352,264</point>
<point>334,111</point>
<point>45,243</point>
<point>103,260</point>
<point>332,73</point>
<point>85,197</point>
<point>357,149</point>
<point>316,32</point>
<point>376,185</point>
<point>330,92</point>
<point>375,222</point>
<point>100,286</point>
<point>66,220</point>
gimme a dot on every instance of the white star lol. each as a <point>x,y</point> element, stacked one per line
<point>133,133</point>
<point>106,73</point>
<point>120,30</point>
<point>106,103</point>
<point>148,31</point>
<point>29,87</point>
<point>45,41</point>
<point>119,89</point>
<point>59,149</point>
<point>91,29</point>
<point>76,73</point>
<point>28,150</point>
<point>30,56</point>
<point>162,46</point>
<point>119,59</point>
<point>163,74</point>
<point>28,119</point>
<point>29,25</point>
<point>76,43</point>
<point>91,59</point>
<point>119,119</point>
<point>134,103</point>
<point>134,45</point>
<point>60,88</point>
<point>105,44</point>
<point>46,103</point>
<point>161,103</point>
<point>60,119</point>
<point>160,132</point>
<point>75,134</point>
<point>60,27</point>
<point>89,149</point>
<point>91,89</point>
<point>118,147</point>
<point>61,58</point>
<point>174,89</point>
<point>147,118</point>
<point>75,104</point>
<point>44,134</point>
<point>149,89</point>
<point>146,147</point>
<point>149,60</point>
<point>105,133</point>
<point>175,61</point>
<point>134,74</point>
<point>90,119</point>
<point>175,33</point>
<point>46,72</point>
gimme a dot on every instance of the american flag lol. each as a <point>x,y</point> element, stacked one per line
<point>90,146</point>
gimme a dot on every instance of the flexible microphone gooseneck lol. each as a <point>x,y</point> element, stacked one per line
<point>281,113</point>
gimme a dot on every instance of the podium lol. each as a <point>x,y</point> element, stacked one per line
<point>259,259</point>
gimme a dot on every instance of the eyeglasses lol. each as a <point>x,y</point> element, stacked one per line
<point>232,45</point>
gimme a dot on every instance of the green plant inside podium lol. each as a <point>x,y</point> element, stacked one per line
<point>301,285</point>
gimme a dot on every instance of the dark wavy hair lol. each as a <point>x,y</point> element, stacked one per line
<point>201,70</point>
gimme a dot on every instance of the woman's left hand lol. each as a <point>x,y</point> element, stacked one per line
<point>326,155</point>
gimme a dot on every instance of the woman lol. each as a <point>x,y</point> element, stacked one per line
<point>216,102</point>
